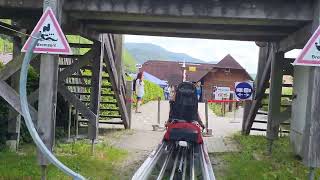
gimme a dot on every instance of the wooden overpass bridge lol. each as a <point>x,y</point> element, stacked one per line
<point>277,26</point>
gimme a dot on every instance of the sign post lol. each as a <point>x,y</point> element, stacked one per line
<point>52,43</point>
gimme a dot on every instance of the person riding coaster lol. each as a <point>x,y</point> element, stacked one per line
<point>184,123</point>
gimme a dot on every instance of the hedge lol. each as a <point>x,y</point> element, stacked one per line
<point>152,91</point>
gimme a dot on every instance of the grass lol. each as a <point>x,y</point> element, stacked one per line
<point>252,162</point>
<point>77,156</point>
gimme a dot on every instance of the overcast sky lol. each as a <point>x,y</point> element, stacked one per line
<point>246,53</point>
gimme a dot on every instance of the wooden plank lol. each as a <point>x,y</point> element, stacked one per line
<point>85,85</point>
<point>76,65</point>
<point>95,93</point>
<point>80,106</point>
<point>102,102</point>
<point>77,45</point>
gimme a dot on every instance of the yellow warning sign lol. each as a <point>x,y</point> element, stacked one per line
<point>192,68</point>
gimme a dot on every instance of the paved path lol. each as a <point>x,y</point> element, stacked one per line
<point>222,127</point>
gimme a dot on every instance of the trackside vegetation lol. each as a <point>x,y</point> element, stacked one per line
<point>253,161</point>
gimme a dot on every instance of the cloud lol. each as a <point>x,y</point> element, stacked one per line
<point>246,53</point>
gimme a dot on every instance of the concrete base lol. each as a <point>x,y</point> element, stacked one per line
<point>12,145</point>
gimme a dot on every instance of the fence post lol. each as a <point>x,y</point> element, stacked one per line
<point>206,114</point>
<point>159,101</point>
<point>69,121</point>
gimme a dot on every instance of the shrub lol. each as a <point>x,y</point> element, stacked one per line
<point>216,108</point>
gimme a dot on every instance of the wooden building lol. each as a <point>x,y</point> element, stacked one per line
<point>225,73</point>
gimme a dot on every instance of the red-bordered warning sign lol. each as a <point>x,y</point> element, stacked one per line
<point>310,54</point>
<point>52,41</point>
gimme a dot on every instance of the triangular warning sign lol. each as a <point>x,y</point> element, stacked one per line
<point>310,54</point>
<point>52,41</point>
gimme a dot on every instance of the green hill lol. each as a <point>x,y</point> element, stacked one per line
<point>143,52</point>
<point>129,61</point>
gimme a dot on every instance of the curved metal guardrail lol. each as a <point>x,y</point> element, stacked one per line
<point>26,114</point>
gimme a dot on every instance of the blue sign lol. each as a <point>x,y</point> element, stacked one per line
<point>244,90</point>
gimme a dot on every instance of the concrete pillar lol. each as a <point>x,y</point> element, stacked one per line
<point>305,125</point>
<point>14,118</point>
<point>276,77</point>
<point>48,91</point>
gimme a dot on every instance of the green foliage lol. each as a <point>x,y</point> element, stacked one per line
<point>77,156</point>
<point>252,162</point>
<point>152,91</point>
<point>129,62</point>
<point>216,108</point>
<point>79,40</point>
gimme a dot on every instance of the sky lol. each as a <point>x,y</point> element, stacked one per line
<point>246,53</point>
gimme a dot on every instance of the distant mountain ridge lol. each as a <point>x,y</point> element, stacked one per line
<point>143,52</point>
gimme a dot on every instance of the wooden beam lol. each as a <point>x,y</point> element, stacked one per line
<point>275,96</point>
<point>12,67</point>
<point>154,28</point>
<point>76,65</point>
<point>297,39</point>
<point>80,106</point>
<point>13,98</point>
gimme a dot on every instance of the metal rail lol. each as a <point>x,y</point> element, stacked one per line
<point>175,161</point>
<point>26,114</point>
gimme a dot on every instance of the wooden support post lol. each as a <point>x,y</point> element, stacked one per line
<point>118,57</point>
<point>275,97</point>
<point>48,90</point>
<point>246,110</point>
<point>95,94</point>
<point>14,118</point>
<point>129,100</point>
<point>69,121</point>
<point>76,122</point>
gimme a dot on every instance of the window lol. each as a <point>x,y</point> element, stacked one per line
<point>227,70</point>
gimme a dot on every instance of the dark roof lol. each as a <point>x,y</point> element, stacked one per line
<point>229,62</point>
<point>172,71</point>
